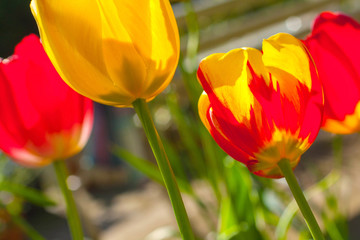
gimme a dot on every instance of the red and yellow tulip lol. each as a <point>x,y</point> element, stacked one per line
<point>333,44</point>
<point>113,52</point>
<point>42,119</point>
<point>262,106</point>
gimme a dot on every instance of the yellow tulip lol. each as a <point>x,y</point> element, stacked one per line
<point>113,52</point>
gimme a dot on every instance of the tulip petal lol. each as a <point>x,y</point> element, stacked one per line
<point>210,122</point>
<point>231,99</point>
<point>87,71</point>
<point>155,20</point>
<point>204,106</point>
<point>229,89</point>
<point>333,45</point>
<point>287,60</point>
<point>293,72</point>
<point>154,53</point>
<point>42,118</point>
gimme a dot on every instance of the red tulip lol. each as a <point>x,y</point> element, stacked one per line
<point>41,118</point>
<point>334,46</point>
<point>261,107</point>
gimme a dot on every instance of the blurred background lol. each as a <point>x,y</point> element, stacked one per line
<point>117,201</point>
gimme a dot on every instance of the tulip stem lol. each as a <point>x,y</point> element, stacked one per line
<point>71,210</point>
<point>284,165</point>
<point>167,173</point>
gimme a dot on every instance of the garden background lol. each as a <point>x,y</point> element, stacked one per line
<point>116,201</point>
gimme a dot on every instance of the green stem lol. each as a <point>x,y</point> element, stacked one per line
<point>71,210</point>
<point>188,62</point>
<point>284,165</point>
<point>157,147</point>
<point>337,145</point>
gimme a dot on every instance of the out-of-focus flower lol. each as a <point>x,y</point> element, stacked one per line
<point>41,118</point>
<point>261,107</point>
<point>334,46</point>
<point>113,52</point>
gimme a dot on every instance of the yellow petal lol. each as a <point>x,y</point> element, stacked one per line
<point>228,77</point>
<point>72,40</point>
<point>151,28</point>
<point>349,125</point>
<point>203,107</point>
<point>287,60</point>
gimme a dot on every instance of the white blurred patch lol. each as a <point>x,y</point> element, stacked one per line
<point>293,23</point>
<point>6,197</point>
<point>162,118</point>
<point>73,182</point>
<point>137,121</point>
<point>162,233</point>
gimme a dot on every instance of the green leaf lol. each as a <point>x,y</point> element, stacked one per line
<point>188,133</point>
<point>146,167</point>
<point>29,194</point>
<point>178,167</point>
<point>228,222</point>
<point>331,228</point>
<point>238,208</point>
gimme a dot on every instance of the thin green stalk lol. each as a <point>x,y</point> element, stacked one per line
<point>188,62</point>
<point>337,145</point>
<point>284,165</point>
<point>193,32</point>
<point>290,211</point>
<point>71,210</point>
<point>337,225</point>
<point>188,65</point>
<point>186,134</point>
<point>167,173</point>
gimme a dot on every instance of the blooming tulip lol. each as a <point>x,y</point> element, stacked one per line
<point>333,44</point>
<point>113,52</point>
<point>41,118</point>
<point>262,106</point>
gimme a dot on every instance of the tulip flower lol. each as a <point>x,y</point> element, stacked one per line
<point>333,44</point>
<point>41,118</point>
<point>121,53</point>
<point>262,106</point>
<point>113,52</point>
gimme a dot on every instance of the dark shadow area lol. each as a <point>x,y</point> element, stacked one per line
<point>354,224</point>
<point>50,226</point>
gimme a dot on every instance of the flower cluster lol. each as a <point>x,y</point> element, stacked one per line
<point>260,106</point>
